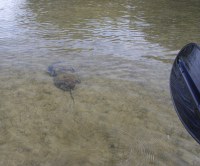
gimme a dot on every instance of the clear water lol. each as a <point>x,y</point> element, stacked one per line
<point>123,52</point>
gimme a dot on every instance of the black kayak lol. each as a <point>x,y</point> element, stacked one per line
<point>185,88</point>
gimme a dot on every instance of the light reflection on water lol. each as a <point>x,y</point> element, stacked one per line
<point>122,52</point>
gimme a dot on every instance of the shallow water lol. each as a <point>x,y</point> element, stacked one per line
<point>123,52</point>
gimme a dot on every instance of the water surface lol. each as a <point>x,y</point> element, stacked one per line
<point>123,52</point>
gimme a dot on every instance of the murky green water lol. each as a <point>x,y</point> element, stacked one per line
<point>123,52</point>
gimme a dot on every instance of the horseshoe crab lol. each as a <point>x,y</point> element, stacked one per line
<point>57,68</point>
<point>63,78</point>
<point>66,81</point>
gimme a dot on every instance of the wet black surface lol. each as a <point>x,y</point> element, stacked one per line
<point>184,83</point>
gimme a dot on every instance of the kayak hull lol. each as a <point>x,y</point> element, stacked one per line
<point>185,88</point>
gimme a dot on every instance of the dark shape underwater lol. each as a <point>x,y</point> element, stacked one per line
<point>64,78</point>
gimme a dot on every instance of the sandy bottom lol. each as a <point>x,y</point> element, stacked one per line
<point>112,122</point>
